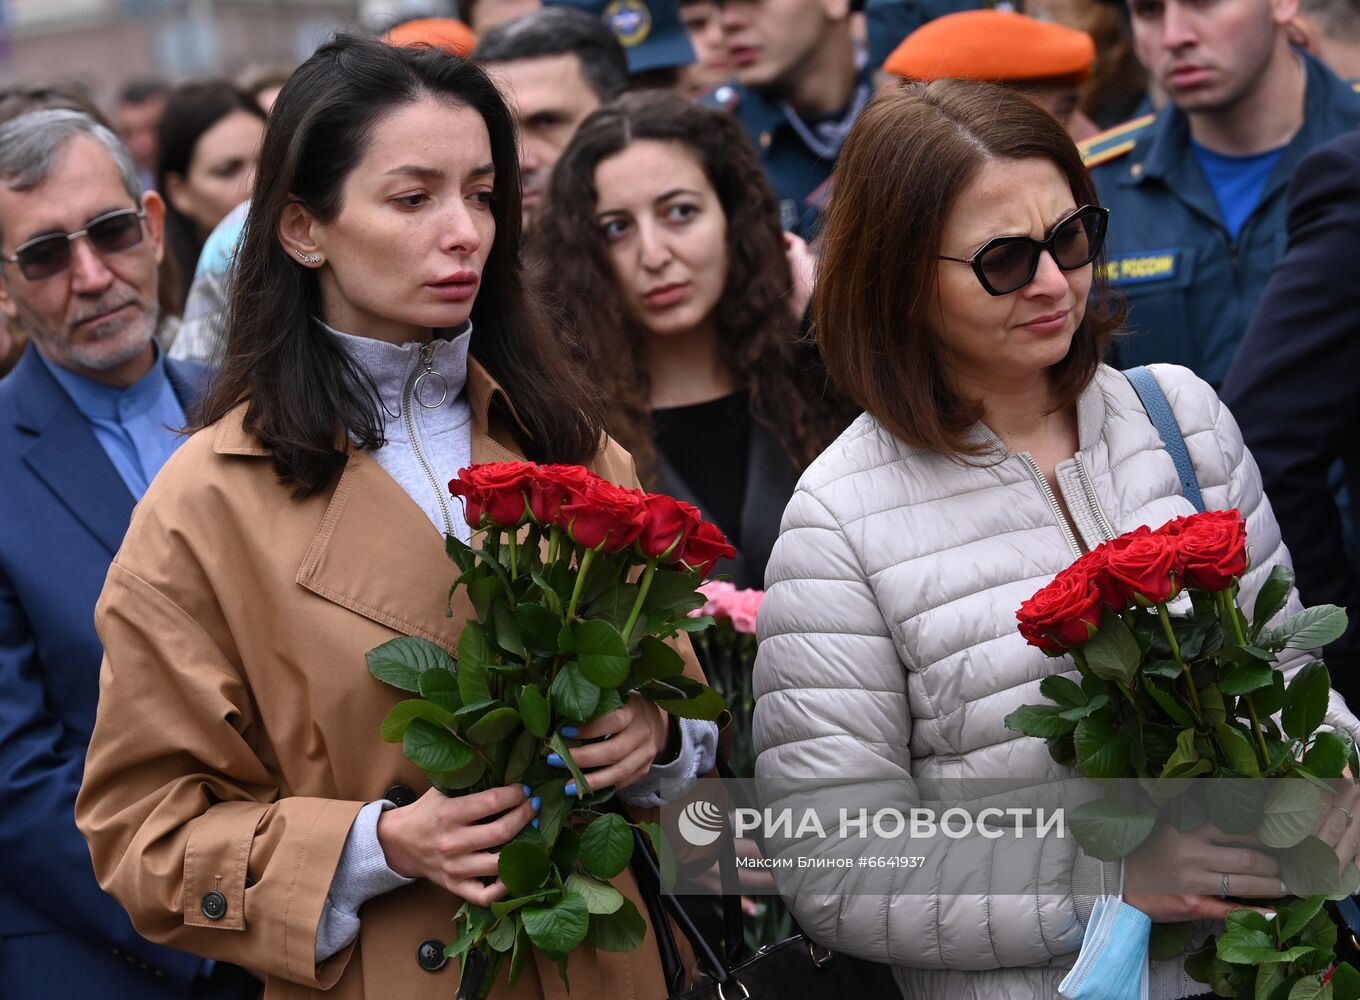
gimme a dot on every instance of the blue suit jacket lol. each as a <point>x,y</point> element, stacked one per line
<point>63,512</point>
<point>1292,387</point>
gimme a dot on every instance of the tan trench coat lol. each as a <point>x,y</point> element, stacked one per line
<point>237,732</point>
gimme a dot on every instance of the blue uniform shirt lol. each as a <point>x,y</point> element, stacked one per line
<point>135,426</point>
<point>1237,181</point>
<point>1191,285</point>
<point>797,159</point>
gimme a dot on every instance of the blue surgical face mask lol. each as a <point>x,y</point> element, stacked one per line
<point>1113,961</point>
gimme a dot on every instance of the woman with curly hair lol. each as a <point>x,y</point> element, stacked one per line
<point>669,265</point>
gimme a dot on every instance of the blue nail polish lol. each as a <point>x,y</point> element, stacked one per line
<point>534,822</point>
<point>535,802</point>
<point>570,732</point>
<point>527,791</point>
<point>571,788</point>
<point>555,760</point>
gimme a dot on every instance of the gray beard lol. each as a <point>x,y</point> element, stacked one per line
<point>93,357</point>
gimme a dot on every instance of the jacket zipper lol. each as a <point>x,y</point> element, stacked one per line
<point>1047,491</point>
<point>1091,501</point>
<point>407,400</point>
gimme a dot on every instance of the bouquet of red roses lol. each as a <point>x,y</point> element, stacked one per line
<point>1164,697</point>
<point>576,584</point>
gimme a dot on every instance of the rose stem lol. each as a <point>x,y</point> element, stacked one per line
<point>1176,652</point>
<point>1227,608</point>
<point>644,585</point>
<point>587,558</point>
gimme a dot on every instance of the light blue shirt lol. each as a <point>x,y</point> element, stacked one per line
<point>1237,181</point>
<point>135,426</point>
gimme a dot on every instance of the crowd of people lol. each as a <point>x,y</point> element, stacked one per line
<point>857,282</point>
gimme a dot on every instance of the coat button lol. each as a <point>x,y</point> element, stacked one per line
<point>430,955</point>
<point>214,905</point>
<point>400,795</point>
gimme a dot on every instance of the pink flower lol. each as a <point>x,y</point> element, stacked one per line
<point>727,603</point>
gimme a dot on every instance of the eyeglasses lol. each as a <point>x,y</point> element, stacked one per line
<point>1008,263</point>
<point>47,256</point>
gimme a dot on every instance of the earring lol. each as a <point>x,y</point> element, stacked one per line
<point>308,258</point>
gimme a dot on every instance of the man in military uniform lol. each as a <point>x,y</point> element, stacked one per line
<point>799,88</point>
<point>1196,192</point>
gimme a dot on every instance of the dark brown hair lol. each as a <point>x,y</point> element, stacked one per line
<point>304,391</point>
<point>910,154</point>
<point>759,340</point>
<point>193,108</point>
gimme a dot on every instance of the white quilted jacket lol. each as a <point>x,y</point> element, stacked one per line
<point>889,655</point>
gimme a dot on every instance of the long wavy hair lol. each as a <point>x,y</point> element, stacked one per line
<point>304,393</point>
<point>759,339</point>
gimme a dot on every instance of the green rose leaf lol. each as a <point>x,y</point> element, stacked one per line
<point>1311,988</point>
<point>1113,652</point>
<point>401,661</point>
<point>501,907</point>
<point>704,704</point>
<point>674,590</point>
<point>481,592</point>
<point>393,727</point>
<point>494,725</point>
<point>1327,756</point>
<point>601,653</point>
<point>1169,669</point>
<point>1170,941</point>
<point>1305,701</point>
<point>1237,750</point>
<point>1066,692</point>
<point>433,748</point>
<point>1241,954</point>
<point>522,866</point>
<point>1108,829</point>
<point>522,754</point>
<point>1272,597</point>
<point>535,710</point>
<point>1291,812</point>
<point>538,628</point>
<point>1270,700</point>
<point>519,956</point>
<point>465,777</point>
<point>507,630</point>
<point>564,751</point>
<point>1169,703</point>
<point>601,897</point>
<point>460,553</point>
<point>1211,705</point>
<point>1345,982</point>
<point>1043,721</point>
<point>473,711</point>
<point>1236,805</point>
<point>554,807</point>
<point>574,695</point>
<point>441,687</point>
<point>1311,868</point>
<point>1243,678</point>
<point>502,936</point>
<point>606,845</point>
<point>1269,979</point>
<point>657,660</point>
<point>559,928</point>
<point>1102,750</point>
<point>1295,916</point>
<point>622,930</point>
<point>474,653</point>
<point>1311,628</point>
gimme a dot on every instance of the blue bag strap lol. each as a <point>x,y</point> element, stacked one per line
<point>1159,412</point>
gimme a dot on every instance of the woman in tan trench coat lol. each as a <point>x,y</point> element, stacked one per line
<point>236,754</point>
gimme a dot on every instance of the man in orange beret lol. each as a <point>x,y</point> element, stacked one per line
<point>1048,62</point>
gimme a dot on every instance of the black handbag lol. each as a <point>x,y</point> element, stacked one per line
<point>792,969</point>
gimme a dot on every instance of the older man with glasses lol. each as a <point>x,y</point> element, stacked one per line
<point>87,418</point>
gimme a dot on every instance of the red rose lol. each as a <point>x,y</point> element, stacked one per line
<point>667,523</point>
<point>704,547</point>
<point>1211,549</point>
<point>493,492</point>
<point>1139,567</point>
<point>550,486</point>
<point>1064,614</point>
<point>604,516</point>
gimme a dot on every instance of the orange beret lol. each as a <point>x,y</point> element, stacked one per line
<point>454,37</point>
<point>993,45</point>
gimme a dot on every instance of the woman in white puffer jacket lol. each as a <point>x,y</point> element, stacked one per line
<point>994,449</point>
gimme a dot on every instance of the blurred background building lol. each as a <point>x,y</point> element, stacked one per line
<point>102,43</point>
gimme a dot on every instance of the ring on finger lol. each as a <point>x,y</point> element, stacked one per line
<point>1223,886</point>
<point>1349,815</point>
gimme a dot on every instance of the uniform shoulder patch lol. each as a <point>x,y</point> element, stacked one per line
<point>1114,143</point>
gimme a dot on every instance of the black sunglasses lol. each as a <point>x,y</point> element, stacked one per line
<point>1008,263</point>
<point>47,256</point>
